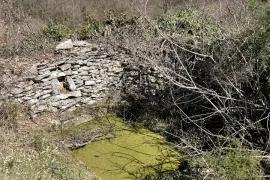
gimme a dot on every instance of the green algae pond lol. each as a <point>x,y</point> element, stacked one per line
<point>126,152</point>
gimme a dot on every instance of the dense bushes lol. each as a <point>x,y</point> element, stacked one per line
<point>190,22</point>
<point>216,91</point>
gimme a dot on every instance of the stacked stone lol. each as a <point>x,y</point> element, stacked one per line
<point>143,80</point>
<point>84,78</point>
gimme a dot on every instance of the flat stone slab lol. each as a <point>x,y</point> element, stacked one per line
<point>81,44</point>
<point>65,45</point>
<point>66,96</point>
<point>89,83</point>
<point>71,84</point>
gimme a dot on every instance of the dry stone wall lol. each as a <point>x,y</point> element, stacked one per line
<point>142,81</point>
<point>84,76</point>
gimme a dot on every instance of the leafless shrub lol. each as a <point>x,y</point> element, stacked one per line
<point>214,95</point>
<point>22,21</point>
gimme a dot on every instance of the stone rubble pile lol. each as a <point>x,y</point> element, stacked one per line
<point>84,76</point>
<point>143,81</point>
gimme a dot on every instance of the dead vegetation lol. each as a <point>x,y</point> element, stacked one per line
<point>214,54</point>
<point>30,151</point>
<point>23,23</point>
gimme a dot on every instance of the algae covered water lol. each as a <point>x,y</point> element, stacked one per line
<point>132,153</point>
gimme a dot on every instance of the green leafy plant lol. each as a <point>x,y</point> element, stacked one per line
<point>90,29</point>
<point>234,164</point>
<point>190,22</point>
<point>57,32</point>
<point>119,19</point>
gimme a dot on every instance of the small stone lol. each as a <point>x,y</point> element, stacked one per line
<point>71,84</point>
<point>57,74</point>
<point>152,79</point>
<point>69,105</point>
<point>85,78</point>
<point>19,100</point>
<point>16,91</point>
<point>102,56</point>
<point>33,115</point>
<point>66,103</point>
<point>25,98</point>
<point>40,108</point>
<point>43,102</point>
<point>81,44</point>
<point>77,80</point>
<point>56,86</point>
<point>75,72</point>
<point>88,101</point>
<point>53,109</point>
<point>95,71</point>
<point>42,65</point>
<point>30,93</point>
<point>80,62</point>
<point>68,72</point>
<point>66,96</point>
<point>21,85</point>
<point>42,76</point>
<point>46,87</point>
<point>153,92</point>
<point>28,88</point>
<point>95,95</point>
<point>89,64</point>
<point>83,73</point>
<point>99,81</point>
<point>85,68</point>
<point>86,90</point>
<point>89,83</point>
<point>45,96</point>
<point>51,68</point>
<point>61,74</point>
<point>59,63</point>
<point>76,94</point>
<point>71,109</point>
<point>54,75</point>
<point>30,78</point>
<point>41,93</point>
<point>65,45</point>
<point>65,67</point>
<point>32,101</point>
<point>61,103</point>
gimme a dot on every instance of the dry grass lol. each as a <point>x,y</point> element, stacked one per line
<point>29,151</point>
<point>10,113</point>
<point>37,156</point>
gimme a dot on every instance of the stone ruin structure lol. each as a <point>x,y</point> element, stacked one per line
<point>84,75</point>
